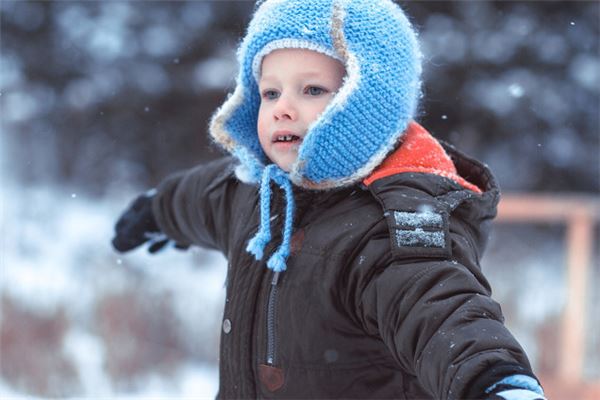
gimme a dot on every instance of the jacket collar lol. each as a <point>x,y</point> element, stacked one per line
<point>422,153</point>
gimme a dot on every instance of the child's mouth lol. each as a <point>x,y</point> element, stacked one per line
<point>287,143</point>
<point>287,138</point>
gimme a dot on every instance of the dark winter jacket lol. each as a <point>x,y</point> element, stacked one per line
<point>383,296</point>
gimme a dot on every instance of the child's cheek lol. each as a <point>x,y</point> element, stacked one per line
<point>318,108</point>
<point>262,128</point>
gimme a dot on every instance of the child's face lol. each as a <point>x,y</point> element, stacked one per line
<point>295,87</point>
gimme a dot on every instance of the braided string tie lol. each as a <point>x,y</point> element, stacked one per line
<point>256,245</point>
<point>277,262</point>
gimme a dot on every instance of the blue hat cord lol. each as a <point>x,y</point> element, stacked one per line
<point>256,245</point>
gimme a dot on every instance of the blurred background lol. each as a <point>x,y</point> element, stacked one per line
<point>100,100</point>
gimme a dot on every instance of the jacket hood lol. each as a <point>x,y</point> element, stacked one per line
<point>424,172</point>
<point>378,47</point>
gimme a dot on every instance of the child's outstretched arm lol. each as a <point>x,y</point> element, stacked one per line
<point>188,208</point>
<point>441,325</point>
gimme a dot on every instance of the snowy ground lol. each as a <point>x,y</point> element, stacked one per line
<point>192,382</point>
<point>56,258</point>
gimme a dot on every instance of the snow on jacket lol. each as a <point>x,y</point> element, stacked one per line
<point>383,297</point>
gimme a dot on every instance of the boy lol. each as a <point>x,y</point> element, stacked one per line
<point>356,275</point>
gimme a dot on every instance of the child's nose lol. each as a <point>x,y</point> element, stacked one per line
<point>285,109</point>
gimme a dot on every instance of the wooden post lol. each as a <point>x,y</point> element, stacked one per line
<point>579,249</point>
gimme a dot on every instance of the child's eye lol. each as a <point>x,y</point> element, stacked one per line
<point>315,90</point>
<point>270,94</point>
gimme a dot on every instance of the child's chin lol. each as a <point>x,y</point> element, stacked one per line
<point>287,167</point>
<point>285,164</point>
<point>285,160</point>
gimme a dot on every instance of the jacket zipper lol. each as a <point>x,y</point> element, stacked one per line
<point>271,339</point>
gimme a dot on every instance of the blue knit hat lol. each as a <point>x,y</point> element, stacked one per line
<point>364,120</point>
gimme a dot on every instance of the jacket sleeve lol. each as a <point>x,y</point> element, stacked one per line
<point>195,206</point>
<point>441,325</point>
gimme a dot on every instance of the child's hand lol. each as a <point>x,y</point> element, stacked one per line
<point>137,225</point>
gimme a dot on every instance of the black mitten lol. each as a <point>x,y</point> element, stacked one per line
<point>137,225</point>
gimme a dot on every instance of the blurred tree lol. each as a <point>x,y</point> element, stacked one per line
<point>518,85</point>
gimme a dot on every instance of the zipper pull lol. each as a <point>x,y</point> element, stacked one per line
<point>275,278</point>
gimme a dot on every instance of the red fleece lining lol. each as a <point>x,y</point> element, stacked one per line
<point>419,152</point>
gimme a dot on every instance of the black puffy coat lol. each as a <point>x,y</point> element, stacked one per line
<point>361,311</point>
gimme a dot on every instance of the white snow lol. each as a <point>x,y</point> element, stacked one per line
<point>87,352</point>
<point>424,217</point>
<point>516,90</point>
<point>56,254</point>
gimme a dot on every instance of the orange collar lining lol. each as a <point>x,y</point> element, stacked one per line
<point>419,152</point>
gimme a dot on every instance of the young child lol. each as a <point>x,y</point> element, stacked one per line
<point>353,236</point>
